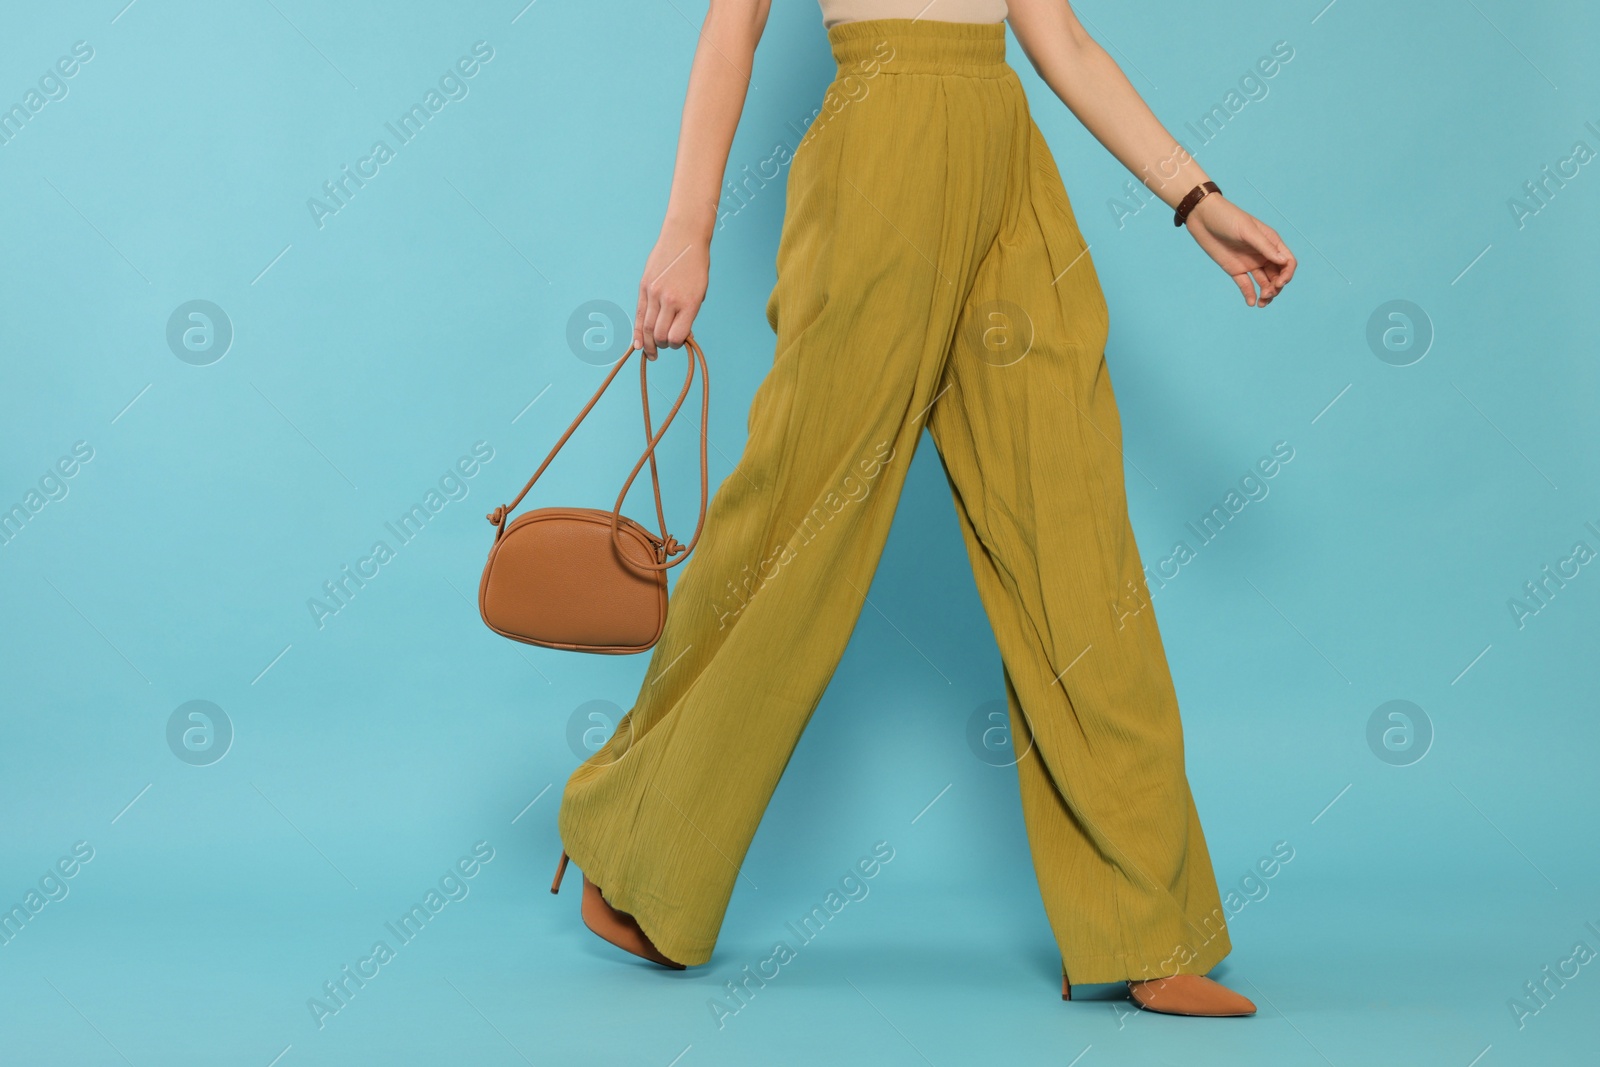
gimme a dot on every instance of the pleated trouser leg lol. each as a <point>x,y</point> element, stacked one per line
<point>930,273</point>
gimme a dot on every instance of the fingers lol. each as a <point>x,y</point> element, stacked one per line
<point>640,314</point>
<point>676,328</point>
<point>661,329</point>
<point>644,320</point>
<point>678,332</point>
<point>1279,253</point>
<point>1268,290</point>
<point>1273,276</point>
<point>666,315</point>
<point>1243,282</point>
<point>1279,263</point>
<point>658,305</point>
<point>1271,245</point>
<point>1287,271</point>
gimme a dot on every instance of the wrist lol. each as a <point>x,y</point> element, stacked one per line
<point>1192,200</point>
<point>1206,209</point>
<point>690,224</point>
<point>1174,176</point>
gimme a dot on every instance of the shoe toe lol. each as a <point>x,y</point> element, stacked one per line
<point>1189,994</point>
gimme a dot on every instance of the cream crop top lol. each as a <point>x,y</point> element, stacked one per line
<point>834,11</point>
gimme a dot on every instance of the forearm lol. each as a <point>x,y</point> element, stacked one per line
<point>712,105</point>
<point>1095,90</point>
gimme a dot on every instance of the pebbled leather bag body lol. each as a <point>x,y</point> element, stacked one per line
<point>586,579</point>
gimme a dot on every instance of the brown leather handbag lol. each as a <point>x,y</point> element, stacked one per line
<point>583,579</point>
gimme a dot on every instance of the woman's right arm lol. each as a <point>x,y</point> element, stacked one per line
<point>676,274</point>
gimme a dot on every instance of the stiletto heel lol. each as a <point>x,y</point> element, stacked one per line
<point>561,869</point>
<point>617,927</point>
<point>1066,988</point>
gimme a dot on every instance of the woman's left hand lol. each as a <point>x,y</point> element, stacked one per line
<point>1248,249</point>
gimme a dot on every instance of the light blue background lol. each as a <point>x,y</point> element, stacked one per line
<point>369,354</point>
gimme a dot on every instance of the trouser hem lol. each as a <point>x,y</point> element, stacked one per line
<point>1119,967</point>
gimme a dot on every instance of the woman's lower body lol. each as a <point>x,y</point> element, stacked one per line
<point>930,273</point>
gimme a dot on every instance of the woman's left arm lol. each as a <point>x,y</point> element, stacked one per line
<point>1094,89</point>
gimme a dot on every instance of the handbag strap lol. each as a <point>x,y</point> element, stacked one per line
<point>667,546</point>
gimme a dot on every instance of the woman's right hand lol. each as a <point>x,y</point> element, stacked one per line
<point>671,291</point>
<point>1245,247</point>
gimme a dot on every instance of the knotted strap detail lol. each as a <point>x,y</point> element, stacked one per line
<point>668,545</point>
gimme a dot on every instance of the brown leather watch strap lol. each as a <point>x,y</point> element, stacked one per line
<point>1195,195</point>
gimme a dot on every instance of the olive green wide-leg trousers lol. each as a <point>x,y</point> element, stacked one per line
<point>930,272</point>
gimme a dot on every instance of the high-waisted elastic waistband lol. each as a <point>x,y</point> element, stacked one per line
<point>920,46</point>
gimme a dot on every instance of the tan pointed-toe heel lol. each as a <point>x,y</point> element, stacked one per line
<point>1189,994</point>
<point>617,927</point>
<point>1066,988</point>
